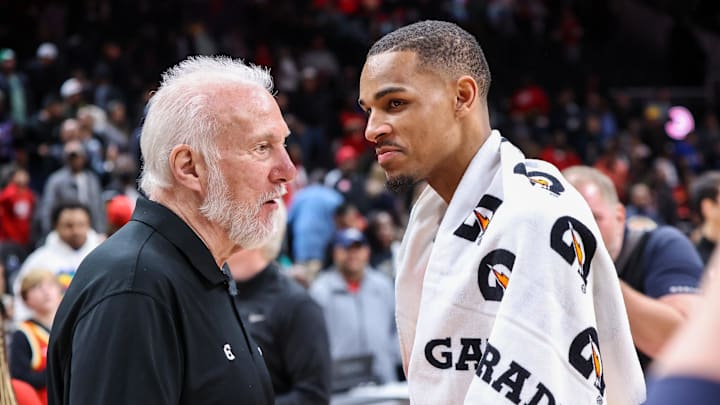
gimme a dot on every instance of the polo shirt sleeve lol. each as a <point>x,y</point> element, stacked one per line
<point>671,264</point>
<point>684,390</point>
<point>126,350</point>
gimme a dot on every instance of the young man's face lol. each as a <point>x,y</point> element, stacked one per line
<point>411,116</point>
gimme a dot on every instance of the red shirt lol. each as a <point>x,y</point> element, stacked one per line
<point>16,209</point>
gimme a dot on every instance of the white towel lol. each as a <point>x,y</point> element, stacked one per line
<point>513,270</point>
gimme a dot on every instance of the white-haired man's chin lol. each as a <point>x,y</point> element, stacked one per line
<point>255,234</point>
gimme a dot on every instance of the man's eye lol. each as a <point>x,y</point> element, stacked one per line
<point>396,103</point>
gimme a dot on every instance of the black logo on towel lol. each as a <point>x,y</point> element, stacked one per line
<point>575,243</point>
<point>540,179</point>
<point>478,220</point>
<point>584,355</point>
<point>494,274</point>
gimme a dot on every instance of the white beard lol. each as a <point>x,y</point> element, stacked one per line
<point>238,218</point>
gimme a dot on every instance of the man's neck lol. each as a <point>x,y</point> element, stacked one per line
<point>450,173</point>
<point>710,232</point>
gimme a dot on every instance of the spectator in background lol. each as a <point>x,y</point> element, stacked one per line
<point>659,269</point>
<point>13,391</point>
<point>359,306</point>
<point>346,178</point>
<point>688,370</point>
<point>16,88</point>
<point>43,133</point>
<point>72,93</point>
<point>559,153</point>
<point>64,248</point>
<point>119,211</point>
<point>383,238</point>
<point>45,72</point>
<point>74,182</point>
<point>17,206</point>
<point>705,202</point>
<point>642,204</point>
<point>285,322</point>
<point>41,293</point>
<point>311,224</point>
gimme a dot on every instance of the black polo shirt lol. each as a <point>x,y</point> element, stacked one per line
<point>149,319</point>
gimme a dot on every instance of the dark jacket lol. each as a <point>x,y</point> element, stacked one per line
<point>289,327</point>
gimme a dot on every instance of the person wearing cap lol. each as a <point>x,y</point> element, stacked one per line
<point>359,305</point>
<point>74,182</point>
<point>45,72</point>
<point>71,91</point>
<point>15,86</point>
<point>41,292</point>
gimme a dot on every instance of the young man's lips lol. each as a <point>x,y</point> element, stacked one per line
<point>383,154</point>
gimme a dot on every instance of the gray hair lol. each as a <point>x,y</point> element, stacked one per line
<point>580,176</point>
<point>180,112</point>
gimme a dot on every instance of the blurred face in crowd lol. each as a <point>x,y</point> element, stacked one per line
<point>384,229</point>
<point>352,260</point>
<point>252,168</point>
<point>73,226</point>
<point>410,118</point>
<point>609,217</point>
<point>711,210</point>
<point>44,298</point>
<point>21,178</point>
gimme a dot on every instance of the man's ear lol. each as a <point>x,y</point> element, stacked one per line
<point>621,213</point>
<point>466,95</point>
<point>187,167</point>
<point>706,204</point>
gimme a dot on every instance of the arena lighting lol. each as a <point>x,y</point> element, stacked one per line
<point>680,123</point>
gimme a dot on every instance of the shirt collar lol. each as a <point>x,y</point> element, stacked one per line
<point>175,230</point>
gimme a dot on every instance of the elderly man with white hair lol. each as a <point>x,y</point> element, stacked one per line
<point>151,316</point>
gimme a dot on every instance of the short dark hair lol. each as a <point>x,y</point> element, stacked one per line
<point>440,46</point>
<point>67,205</point>
<point>705,186</point>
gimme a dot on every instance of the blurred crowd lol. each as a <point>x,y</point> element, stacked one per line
<point>74,85</point>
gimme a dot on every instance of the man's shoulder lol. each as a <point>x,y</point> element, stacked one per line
<point>134,258</point>
<point>667,241</point>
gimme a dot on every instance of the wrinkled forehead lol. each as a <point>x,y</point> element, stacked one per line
<point>248,112</point>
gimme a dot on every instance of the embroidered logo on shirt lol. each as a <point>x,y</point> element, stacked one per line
<point>228,352</point>
<point>253,318</point>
